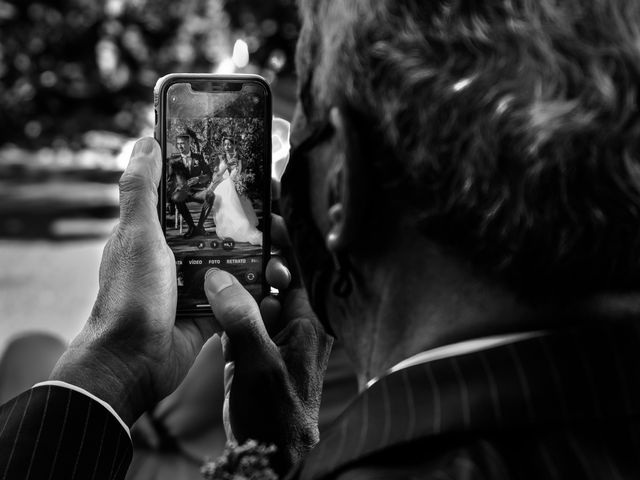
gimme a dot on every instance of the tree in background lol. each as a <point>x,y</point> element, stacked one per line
<point>70,66</point>
<point>270,29</point>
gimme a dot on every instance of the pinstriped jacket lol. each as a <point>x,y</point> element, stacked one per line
<point>52,432</point>
<point>561,406</point>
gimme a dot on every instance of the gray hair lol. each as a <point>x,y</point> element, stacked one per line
<point>513,125</point>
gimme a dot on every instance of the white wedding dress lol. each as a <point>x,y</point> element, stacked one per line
<point>233,214</point>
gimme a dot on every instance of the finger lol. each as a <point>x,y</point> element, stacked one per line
<point>278,275</point>
<point>279,232</point>
<point>139,182</point>
<point>280,239</point>
<point>271,310</point>
<point>237,313</point>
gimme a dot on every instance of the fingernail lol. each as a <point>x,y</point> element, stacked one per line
<point>217,280</point>
<point>144,146</point>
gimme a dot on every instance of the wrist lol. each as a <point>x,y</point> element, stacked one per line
<point>112,378</point>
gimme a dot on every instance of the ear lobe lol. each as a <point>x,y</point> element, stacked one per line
<point>348,181</point>
<point>336,227</point>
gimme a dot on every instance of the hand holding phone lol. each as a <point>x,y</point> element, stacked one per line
<point>132,352</point>
<point>275,368</point>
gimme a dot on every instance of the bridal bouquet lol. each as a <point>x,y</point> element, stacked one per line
<point>243,181</point>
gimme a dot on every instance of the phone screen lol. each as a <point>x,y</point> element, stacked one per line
<point>216,199</point>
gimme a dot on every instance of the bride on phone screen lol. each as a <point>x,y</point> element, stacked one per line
<point>233,213</point>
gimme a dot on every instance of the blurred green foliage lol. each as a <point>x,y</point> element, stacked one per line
<point>70,66</point>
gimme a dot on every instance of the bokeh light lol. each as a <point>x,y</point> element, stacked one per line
<point>240,55</point>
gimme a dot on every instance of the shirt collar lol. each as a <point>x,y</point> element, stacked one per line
<point>459,348</point>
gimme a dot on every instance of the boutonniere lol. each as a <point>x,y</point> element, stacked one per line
<point>249,461</point>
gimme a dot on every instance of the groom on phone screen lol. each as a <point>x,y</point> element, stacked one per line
<point>189,176</point>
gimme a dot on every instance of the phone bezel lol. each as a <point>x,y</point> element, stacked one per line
<point>217,82</point>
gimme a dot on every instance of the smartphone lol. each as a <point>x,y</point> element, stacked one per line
<point>215,194</point>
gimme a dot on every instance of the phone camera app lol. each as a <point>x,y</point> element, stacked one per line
<point>215,177</point>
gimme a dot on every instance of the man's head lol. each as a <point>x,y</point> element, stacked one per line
<point>183,144</point>
<point>507,130</point>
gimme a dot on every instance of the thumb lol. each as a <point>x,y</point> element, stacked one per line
<point>139,182</point>
<point>238,314</point>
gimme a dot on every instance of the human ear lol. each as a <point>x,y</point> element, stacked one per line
<point>347,184</point>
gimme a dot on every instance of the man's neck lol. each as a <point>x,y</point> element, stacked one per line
<point>416,297</point>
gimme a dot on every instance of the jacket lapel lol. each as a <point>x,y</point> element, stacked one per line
<point>579,375</point>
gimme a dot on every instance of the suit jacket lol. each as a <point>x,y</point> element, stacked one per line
<point>52,432</point>
<point>561,406</point>
<point>179,173</point>
<point>565,405</point>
